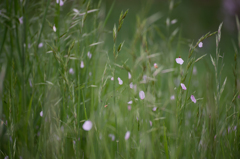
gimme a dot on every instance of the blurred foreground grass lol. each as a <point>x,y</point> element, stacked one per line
<point>70,88</point>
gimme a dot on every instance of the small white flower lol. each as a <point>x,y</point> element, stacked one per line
<point>172,97</point>
<point>112,136</point>
<point>183,86</point>
<point>20,20</point>
<point>82,64</point>
<point>129,75</point>
<point>174,21</point>
<point>141,94</point>
<point>120,81</point>
<point>87,125</point>
<point>154,109</point>
<point>127,135</point>
<point>61,3</point>
<point>112,78</point>
<point>89,55</point>
<point>179,61</point>
<point>41,113</point>
<point>150,122</point>
<point>200,44</point>
<point>193,99</point>
<point>130,102</point>
<point>131,85</point>
<point>71,71</point>
<point>54,28</point>
<point>40,45</point>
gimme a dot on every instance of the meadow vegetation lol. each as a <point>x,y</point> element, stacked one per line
<point>67,91</point>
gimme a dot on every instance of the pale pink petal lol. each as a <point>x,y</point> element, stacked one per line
<point>61,3</point>
<point>82,64</point>
<point>174,21</point>
<point>141,94</point>
<point>112,78</point>
<point>41,113</point>
<point>130,102</point>
<point>172,97</point>
<point>179,61</point>
<point>40,45</point>
<point>129,107</point>
<point>112,136</point>
<point>89,55</point>
<point>150,122</point>
<point>131,85</point>
<point>193,99</point>
<point>71,71</point>
<point>120,81</point>
<point>20,20</point>
<point>87,125</point>
<point>127,135</point>
<point>155,65</point>
<point>200,44</point>
<point>154,109</point>
<point>183,86</point>
<point>54,28</point>
<point>129,75</point>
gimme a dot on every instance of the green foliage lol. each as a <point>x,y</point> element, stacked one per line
<point>53,81</point>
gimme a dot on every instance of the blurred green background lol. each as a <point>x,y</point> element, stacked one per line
<point>194,18</point>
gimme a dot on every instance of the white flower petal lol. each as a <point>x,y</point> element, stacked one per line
<point>61,3</point>
<point>130,102</point>
<point>41,113</point>
<point>20,20</point>
<point>150,122</point>
<point>174,21</point>
<point>87,125</point>
<point>54,28</point>
<point>183,86</point>
<point>154,109</point>
<point>112,136</point>
<point>40,45</point>
<point>141,94</point>
<point>131,85</point>
<point>89,55</point>
<point>193,99</point>
<point>127,135</point>
<point>71,71</point>
<point>82,64</point>
<point>200,44</point>
<point>179,61</point>
<point>129,75</point>
<point>120,81</point>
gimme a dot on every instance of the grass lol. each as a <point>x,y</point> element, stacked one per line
<point>52,82</point>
